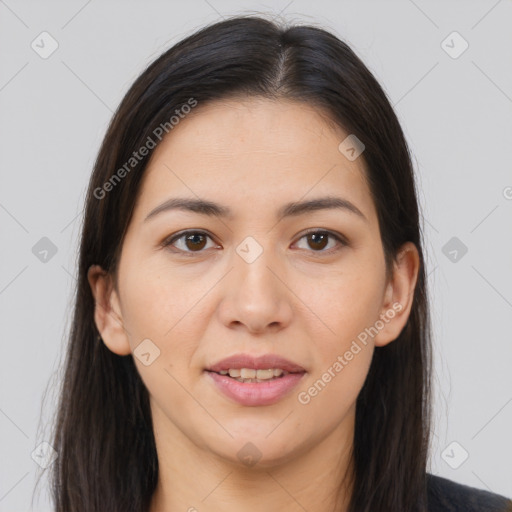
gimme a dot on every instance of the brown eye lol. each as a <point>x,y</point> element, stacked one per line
<point>318,240</point>
<point>195,241</point>
<point>190,241</point>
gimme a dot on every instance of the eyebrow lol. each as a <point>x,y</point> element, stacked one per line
<point>293,209</point>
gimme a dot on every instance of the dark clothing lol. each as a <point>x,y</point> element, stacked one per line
<point>448,496</point>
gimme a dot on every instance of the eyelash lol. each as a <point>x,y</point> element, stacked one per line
<point>173,238</point>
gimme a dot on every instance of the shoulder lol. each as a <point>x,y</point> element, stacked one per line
<point>447,496</point>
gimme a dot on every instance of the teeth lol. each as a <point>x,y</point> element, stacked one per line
<point>246,373</point>
<point>251,380</point>
<point>265,374</point>
<point>250,374</point>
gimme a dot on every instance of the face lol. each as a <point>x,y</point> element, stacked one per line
<point>254,278</point>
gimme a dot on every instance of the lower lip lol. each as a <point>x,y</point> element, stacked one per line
<point>256,393</point>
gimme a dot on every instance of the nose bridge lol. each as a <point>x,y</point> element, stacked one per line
<point>254,294</point>
<point>253,263</point>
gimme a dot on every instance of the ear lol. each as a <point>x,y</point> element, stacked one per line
<point>399,294</point>
<point>107,311</point>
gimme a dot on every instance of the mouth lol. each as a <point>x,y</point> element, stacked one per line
<point>255,381</point>
<point>251,375</point>
<point>250,363</point>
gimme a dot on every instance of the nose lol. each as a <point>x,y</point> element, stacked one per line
<point>256,297</point>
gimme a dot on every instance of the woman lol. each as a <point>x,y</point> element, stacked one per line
<point>251,329</point>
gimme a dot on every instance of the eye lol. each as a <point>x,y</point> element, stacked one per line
<point>195,241</point>
<point>318,240</point>
<point>192,241</point>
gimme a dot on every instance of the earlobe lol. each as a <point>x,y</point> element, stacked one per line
<point>107,314</point>
<point>399,295</point>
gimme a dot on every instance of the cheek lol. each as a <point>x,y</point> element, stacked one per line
<point>347,305</point>
<point>346,302</point>
<point>165,309</point>
<point>156,311</point>
<point>153,302</point>
<point>343,355</point>
<point>328,399</point>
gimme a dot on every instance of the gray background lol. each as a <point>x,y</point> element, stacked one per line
<point>457,116</point>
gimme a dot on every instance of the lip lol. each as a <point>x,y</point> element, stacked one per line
<point>263,362</point>
<point>256,393</point>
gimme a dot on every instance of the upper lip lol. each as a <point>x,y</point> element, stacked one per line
<point>264,362</point>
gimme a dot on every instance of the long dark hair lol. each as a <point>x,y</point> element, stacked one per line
<point>103,433</point>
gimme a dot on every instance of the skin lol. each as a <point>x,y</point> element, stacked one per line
<point>304,301</point>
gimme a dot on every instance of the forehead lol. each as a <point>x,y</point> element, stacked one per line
<point>256,150</point>
<point>235,127</point>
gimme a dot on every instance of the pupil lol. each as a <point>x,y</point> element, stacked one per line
<point>319,235</point>
<point>195,244</point>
